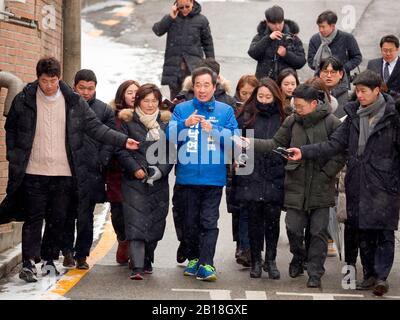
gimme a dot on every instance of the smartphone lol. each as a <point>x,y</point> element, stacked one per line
<point>180,96</point>
<point>283,152</point>
<point>168,103</point>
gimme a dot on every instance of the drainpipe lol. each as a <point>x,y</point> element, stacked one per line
<point>72,39</point>
<point>14,86</point>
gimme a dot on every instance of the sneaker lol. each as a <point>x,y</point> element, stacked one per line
<point>69,261</point>
<point>331,249</point>
<point>181,253</point>
<point>206,273</point>
<point>192,268</point>
<point>137,274</point>
<point>122,252</point>
<point>81,264</point>
<point>48,267</point>
<point>28,272</point>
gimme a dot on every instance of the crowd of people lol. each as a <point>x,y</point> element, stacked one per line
<point>68,151</point>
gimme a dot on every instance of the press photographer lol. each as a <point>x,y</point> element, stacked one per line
<point>276,45</point>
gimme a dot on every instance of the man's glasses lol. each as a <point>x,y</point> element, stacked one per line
<point>184,7</point>
<point>329,72</point>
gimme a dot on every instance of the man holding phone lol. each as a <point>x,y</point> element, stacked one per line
<point>309,184</point>
<point>188,41</point>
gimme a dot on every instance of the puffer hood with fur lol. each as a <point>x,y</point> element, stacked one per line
<point>127,115</point>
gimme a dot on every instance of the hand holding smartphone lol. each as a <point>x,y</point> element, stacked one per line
<point>283,152</point>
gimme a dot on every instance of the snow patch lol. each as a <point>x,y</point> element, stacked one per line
<point>114,63</point>
<point>105,4</point>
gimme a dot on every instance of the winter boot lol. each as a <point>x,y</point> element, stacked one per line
<point>244,258</point>
<point>296,268</point>
<point>122,252</point>
<point>256,269</point>
<point>270,267</point>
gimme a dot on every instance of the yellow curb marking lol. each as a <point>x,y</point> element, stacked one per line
<point>110,22</point>
<point>95,33</point>
<point>125,12</point>
<point>72,277</point>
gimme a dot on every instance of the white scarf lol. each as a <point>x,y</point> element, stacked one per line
<point>150,122</point>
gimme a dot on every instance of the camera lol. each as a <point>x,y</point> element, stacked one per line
<point>287,39</point>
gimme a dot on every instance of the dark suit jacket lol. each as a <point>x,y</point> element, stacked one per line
<point>393,83</point>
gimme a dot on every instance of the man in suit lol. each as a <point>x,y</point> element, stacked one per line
<point>388,67</point>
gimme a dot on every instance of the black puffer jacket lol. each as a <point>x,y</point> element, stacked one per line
<point>100,154</point>
<point>20,131</point>
<point>189,39</point>
<point>372,181</point>
<point>263,49</point>
<point>266,182</point>
<point>145,206</point>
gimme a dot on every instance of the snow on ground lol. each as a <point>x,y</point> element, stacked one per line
<point>114,62</point>
<point>17,289</point>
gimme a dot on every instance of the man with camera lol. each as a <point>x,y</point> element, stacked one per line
<point>276,45</point>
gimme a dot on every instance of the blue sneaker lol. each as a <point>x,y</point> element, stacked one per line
<point>206,273</point>
<point>192,267</point>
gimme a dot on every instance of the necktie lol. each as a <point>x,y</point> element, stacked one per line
<point>386,74</point>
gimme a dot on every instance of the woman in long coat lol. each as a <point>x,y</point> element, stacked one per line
<point>145,189</point>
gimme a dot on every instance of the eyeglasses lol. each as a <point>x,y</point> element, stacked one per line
<point>184,7</point>
<point>329,72</point>
<point>388,50</point>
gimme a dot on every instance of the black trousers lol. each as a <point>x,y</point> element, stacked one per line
<point>178,210</point>
<point>83,220</point>
<point>264,222</point>
<point>296,222</point>
<point>377,252</point>
<point>49,198</point>
<point>201,222</point>
<point>117,220</point>
<point>351,243</point>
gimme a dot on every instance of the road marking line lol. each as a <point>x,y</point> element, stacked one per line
<point>72,277</point>
<point>214,294</point>
<point>320,296</point>
<point>256,295</point>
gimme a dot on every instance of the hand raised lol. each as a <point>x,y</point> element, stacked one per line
<point>174,11</point>
<point>193,119</point>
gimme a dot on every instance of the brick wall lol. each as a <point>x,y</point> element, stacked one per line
<point>21,47</point>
